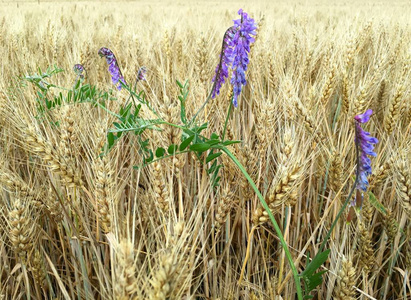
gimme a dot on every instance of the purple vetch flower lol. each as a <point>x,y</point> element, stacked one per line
<point>79,69</point>
<point>113,67</point>
<point>365,144</point>
<point>141,74</point>
<point>226,59</point>
<point>241,40</point>
<point>234,54</point>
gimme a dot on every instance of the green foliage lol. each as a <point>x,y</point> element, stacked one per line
<point>172,149</point>
<point>377,204</point>
<point>50,96</point>
<point>129,120</point>
<point>39,81</point>
<point>200,147</point>
<point>206,149</point>
<point>311,279</point>
<point>183,97</point>
<point>160,152</point>
<point>186,142</point>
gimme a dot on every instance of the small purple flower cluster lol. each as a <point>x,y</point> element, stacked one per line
<point>141,74</point>
<point>113,67</point>
<point>234,54</point>
<point>365,144</point>
<point>79,69</point>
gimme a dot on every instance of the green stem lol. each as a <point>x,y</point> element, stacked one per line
<point>201,108</point>
<point>226,120</point>
<point>273,221</point>
<point>357,175</point>
<point>106,109</point>
<point>160,158</point>
<point>132,94</point>
<point>336,220</point>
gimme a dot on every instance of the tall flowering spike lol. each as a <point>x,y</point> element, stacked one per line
<point>365,144</point>
<point>234,54</point>
<point>241,40</point>
<point>226,59</point>
<point>113,67</point>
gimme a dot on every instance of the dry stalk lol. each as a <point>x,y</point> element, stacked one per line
<point>380,175</point>
<point>103,190</point>
<point>37,268</point>
<point>169,277</point>
<point>67,137</point>
<point>404,187</point>
<point>125,283</point>
<point>367,210</point>
<point>249,161</point>
<point>366,256</point>
<point>346,281</point>
<point>166,50</point>
<point>264,127</point>
<point>162,281</point>
<point>57,164</point>
<point>202,61</point>
<point>329,84</point>
<point>3,99</point>
<point>15,184</point>
<point>392,115</point>
<point>336,171</point>
<point>160,189</point>
<point>54,207</point>
<point>391,226</point>
<point>346,89</point>
<point>21,230</point>
<point>285,192</point>
<point>225,203</point>
<point>272,73</point>
<point>303,116</point>
<point>408,255</point>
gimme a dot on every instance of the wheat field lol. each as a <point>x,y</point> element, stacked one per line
<point>75,224</point>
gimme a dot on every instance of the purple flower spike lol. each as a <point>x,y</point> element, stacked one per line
<point>234,54</point>
<point>113,67</point>
<point>226,59</point>
<point>242,41</point>
<point>365,144</point>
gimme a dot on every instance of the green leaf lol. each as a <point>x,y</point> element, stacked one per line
<point>214,168</point>
<point>172,149</point>
<point>200,147</point>
<point>118,125</point>
<point>214,136</point>
<point>226,143</point>
<point>110,139</point>
<point>186,142</point>
<point>150,157</point>
<point>179,84</point>
<point>202,127</point>
<point>310,279</point>
<point>183,111</point>
<point>317,261</point>
<point>216,182</point>
<point>378,205</point>
<point>213,156</point>
<point>213,142</point>
<point>160,152</point>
